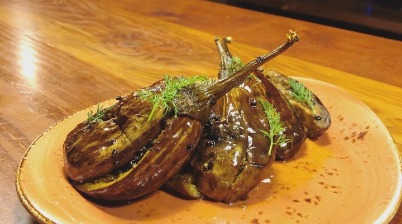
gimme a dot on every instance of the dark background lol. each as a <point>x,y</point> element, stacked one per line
<point>381,17</point>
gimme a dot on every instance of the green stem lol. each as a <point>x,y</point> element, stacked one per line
<point>271,145</point>
<point>154,107</point>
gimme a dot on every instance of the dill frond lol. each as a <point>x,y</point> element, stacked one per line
<point>276,129</point>
<point>165,99</point>
<point>301,93</point>
<point>235,64</point>
<point>97,116</point>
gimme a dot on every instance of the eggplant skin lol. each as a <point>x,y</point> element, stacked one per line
<point>232,155</point>
<point>294,128</point>
<point>316,120</point>
<point>95,149</point>
<point>169,153</point>
<point>258,161</point>
<point>221,152</point>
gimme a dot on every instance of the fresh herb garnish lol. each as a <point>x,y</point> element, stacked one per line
<point>235,65</point>
<point>165,99</point>
<point>301,93</point>
<point>97,116</point>
<point>276,129</point>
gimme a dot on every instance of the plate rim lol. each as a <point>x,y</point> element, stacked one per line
<point>32,210</point>
<point>386,217</point>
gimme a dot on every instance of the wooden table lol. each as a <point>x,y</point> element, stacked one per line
<point>59,57</point>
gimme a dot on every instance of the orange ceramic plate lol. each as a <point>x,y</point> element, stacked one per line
<point>352,174</point>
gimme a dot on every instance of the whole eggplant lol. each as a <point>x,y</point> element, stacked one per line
<point>233,154</point>
<point>93,149</point>
<point>313,113</point>
<point>126,153</point>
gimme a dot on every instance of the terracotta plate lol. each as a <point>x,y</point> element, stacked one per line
<point>352,174</point>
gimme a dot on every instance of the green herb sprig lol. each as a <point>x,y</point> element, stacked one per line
<point>301,93</point>
<point>97,116</point>
<point>165,99</point>
<point>235,64</point>
<point>276,129</point>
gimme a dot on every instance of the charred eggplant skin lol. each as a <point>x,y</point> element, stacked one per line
<point>315,118</point>
<point>169,153</point>
<point>221,152</point>
<point>294,129</point>
<point>95,149</point>
<point>232,156</point>
<point>134,169</point>
<point>258,159</point>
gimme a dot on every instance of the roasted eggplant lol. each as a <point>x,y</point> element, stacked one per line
<point>315,117</point>
<point>133,147</point>
<point>234,152</point>
<point>93,149</point>
<point>149,170</point>
<point>237,147</point>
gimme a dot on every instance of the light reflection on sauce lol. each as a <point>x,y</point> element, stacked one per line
<point>247,88</point>
<point>266,180</point>
<point>236,157</point>
<point>250,130</point>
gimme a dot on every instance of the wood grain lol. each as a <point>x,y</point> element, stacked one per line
<point>364,55</point>
<point>59,57</point>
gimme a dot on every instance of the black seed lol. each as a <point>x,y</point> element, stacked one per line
<point>213,101</point>
<point>143,150</point>
<point>119,98</point>
<point>317,117</point>
<point>116,162</point>
<point>232,135</point>
<point>114,152</point>
<point>210,143</point>
<point>190,147</point>
<point>216,118</point>
<point>253,102</point>
<point>147,146</point>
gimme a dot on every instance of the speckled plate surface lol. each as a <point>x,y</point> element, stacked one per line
<point>352,174</point>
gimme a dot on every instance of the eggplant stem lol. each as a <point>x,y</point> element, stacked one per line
<point>224,55</point>
<point>223,86</point>
<point>202,96</point>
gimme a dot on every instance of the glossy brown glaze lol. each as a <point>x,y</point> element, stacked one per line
<point>315,118</point>
<point>222,150</point>
<point>229,138</point>
<point>94,149</point>
<point>258,157</point>
<point>60,57</point>
<point>294,129</point>
<point>233,154</point>
<point>170,151</point>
